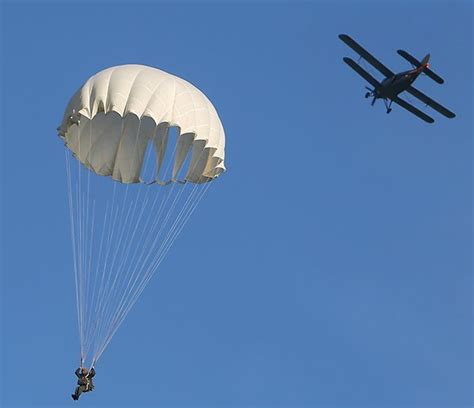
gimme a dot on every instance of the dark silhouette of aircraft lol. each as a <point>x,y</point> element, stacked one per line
<point>394,84</point>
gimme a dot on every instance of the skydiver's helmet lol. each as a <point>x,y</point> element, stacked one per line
<point>84,371</point>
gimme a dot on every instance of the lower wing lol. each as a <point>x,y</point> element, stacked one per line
<point>430,102</point>
<point>412,109</point>
<point>362,72</point>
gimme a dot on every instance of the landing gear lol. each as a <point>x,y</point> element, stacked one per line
<point>387,105</point>
<point>370,93</point>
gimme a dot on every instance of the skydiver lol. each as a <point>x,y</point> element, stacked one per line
<point>84,381</point>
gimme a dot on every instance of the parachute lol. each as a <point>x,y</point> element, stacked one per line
<point>142,147</point>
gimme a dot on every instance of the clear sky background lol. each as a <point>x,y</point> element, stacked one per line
<point>330,266</point>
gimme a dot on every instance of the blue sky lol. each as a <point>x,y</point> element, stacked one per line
<point>330,266</point>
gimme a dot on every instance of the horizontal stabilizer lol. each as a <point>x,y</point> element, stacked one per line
<point>412,60</point>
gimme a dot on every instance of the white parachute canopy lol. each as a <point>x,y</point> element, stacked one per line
<point>160,142</point>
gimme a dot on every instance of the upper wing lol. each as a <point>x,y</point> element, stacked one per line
<point>366,55</point>
<point>362,72</point>
<point>430,102</point>
<point>412,109</point>
<point>412,60</point>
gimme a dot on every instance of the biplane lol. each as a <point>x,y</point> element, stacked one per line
<point>389,89</point>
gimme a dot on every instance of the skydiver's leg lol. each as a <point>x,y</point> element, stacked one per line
<point>79,391</point>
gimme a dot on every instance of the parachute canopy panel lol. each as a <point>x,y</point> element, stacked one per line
<point>111,119</point>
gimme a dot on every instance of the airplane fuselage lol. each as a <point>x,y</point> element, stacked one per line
<point>391,86</point>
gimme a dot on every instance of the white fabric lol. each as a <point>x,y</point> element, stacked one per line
<point>117,112</point>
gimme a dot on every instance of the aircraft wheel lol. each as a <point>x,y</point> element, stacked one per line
<point>389,110</point>
<point>367,94</point>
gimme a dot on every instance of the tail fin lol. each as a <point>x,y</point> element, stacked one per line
<point>425,61</point>
<point>425,66</point>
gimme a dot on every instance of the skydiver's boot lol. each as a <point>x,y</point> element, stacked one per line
<point>76,395</point>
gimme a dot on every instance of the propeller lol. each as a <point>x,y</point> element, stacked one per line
<point>371,92</point>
